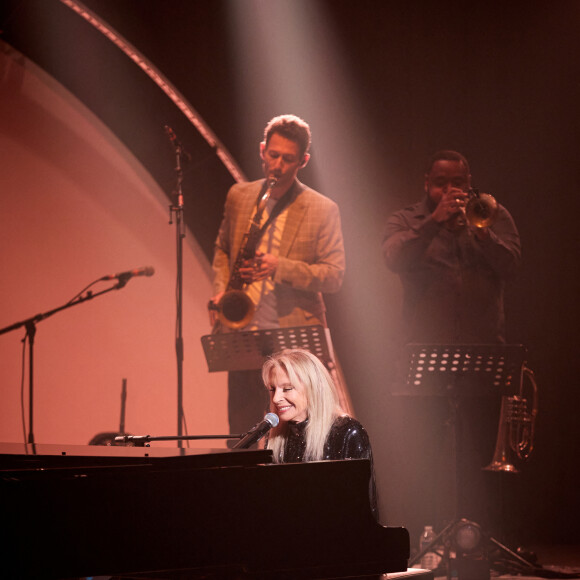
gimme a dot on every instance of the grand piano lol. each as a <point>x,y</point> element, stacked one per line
<point>180,513</point>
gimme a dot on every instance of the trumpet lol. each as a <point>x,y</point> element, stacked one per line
<point>515,436</point>
<point>480,211</point>
<point>235,308</point>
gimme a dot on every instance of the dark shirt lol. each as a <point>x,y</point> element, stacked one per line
<point>453,282</point>
<point>347,439</point>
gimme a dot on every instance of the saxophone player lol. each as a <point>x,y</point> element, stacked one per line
<point>298,257</point>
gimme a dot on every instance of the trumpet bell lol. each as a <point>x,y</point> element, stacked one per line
<point>481,210</point>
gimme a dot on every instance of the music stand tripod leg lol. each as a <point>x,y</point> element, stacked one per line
<point>518,559</point>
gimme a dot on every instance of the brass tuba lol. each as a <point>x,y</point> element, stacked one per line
<point>235,308</point>
<point>515,436</point>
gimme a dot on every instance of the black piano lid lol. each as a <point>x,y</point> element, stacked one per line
<point>20,456</point>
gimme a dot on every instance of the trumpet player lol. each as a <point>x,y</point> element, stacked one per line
<point>453,253</point>
<point>453,263</point>
<point>299,254</point>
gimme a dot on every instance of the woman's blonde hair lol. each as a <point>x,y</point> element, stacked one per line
<point>302,367</point>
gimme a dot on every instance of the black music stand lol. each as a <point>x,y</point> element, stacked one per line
<point>463,370</point>
<point>248,350</point>
<point>457,371</point>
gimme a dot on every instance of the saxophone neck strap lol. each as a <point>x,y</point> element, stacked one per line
<point>280,206</point>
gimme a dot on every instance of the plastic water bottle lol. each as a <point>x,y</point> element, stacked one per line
<point>430,560</point>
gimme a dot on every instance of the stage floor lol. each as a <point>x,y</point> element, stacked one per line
<point>564,559</point>
<point>555,560</point>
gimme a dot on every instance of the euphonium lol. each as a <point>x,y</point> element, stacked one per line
<point>515,436</point>
<point>235,308</point>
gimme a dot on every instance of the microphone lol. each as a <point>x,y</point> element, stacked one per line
<point>176,143</point>
<point>137,440</point>
<point>258,431</point>
<point>125,276</point>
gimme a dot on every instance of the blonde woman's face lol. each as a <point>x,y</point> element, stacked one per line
<point>288,401</point>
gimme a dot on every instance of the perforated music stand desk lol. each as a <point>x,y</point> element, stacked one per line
<point>248,350</point>
<point>463,369</point>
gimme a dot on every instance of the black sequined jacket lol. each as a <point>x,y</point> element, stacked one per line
<point>347,439</point>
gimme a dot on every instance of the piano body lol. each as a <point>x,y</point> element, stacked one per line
<point>171,513</point>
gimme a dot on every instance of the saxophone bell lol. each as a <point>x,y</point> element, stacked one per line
<point>234,310</point>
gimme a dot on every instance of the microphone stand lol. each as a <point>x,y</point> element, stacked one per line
<point>30,325</point>
<point>177,209</point>
<point>144,440</point>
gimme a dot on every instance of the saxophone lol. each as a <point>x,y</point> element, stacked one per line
<point>235,308</point>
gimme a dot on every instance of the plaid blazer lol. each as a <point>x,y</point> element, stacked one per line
<point>311,257</point>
